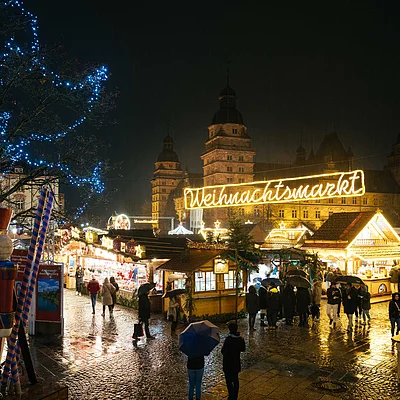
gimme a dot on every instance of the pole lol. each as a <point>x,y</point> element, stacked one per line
<point>237,285</point>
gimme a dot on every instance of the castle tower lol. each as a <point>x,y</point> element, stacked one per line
<point>229,157</point>
<point>167,175</point>
<point>394,160</point>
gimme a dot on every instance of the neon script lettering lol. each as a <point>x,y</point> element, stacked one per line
<point>314,187</point>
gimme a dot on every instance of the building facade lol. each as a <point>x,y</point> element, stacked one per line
<point>229,159</point>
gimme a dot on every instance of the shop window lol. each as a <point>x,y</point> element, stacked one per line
<point>229,158</point>
<point>365,201</point>
<point>291,235</point>
<point>354,200</point>
<point>241,158</point>
<point>230,280</point>
<point>343,200</point>
<point>317,214</point>
<point>241,169</point>
<point>281,213</point>
<point>204,281</point>
<point>305,214</point>
<point>294,213</point>
<point>179,283</point>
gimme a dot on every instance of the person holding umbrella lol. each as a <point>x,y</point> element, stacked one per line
<point>289,302</point>
<point>262,296</point>
<point>144,307</point>
<point>303,300</point>
<point>173,311</point>
<point>197,341</point>
<point>334,296</point>
<point>234,344</point>
<point>350,300</point>
<point>274,305</point>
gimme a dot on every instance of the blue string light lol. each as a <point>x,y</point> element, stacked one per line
<point>18,150</point>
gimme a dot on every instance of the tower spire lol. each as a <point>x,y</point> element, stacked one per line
<point>227,73</point>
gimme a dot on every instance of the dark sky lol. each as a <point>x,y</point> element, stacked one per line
<point>298,68</point>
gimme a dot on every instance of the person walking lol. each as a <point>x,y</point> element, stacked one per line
<point>195,367</point>
<point>79,274</point>
<point>262,296</point>
<point>144,313</point>
<point>303,300</point>
<point>252,306</point>
<point>334,296</point>
<point>394,279</point>
<point>350,299</point>
<point>234,344</point>
<point>114,294</point>
<point>173,312</point>
<point>394,313</point>
<point>316,300</point>
<point>365,304</point>
<point>93,287</point>
<point>273,305</point>
<point>359,305</point>
<point>289,303</point>
<point>107,291</point>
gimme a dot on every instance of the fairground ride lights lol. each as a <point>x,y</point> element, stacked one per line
<point>338,184</point>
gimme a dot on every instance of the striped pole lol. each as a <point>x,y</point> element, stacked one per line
<point>35,269</point>
<point>10,359</point>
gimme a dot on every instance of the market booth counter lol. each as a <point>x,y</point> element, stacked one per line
<point>213,280</point>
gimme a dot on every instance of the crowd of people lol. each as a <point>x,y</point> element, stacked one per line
<point>284,303</point>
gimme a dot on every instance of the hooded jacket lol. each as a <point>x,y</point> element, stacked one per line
<point>263,297</point>
<point>394,307</point>
<point>252,304</point>
<point>234,344</point>
<point>274,301</point>
<point>303,300</point>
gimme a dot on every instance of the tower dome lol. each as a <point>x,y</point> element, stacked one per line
<point>168,153</point>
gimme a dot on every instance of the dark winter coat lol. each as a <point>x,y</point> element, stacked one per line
<point>350,305</point>
<point>334,295</point>
<point>144,307</point>
<point>365,300</point>
<point>303,300</point>
<point>289,301</point>
<point>234,344</point>
<point>274,300</point>
<point>262,297</point>
<point>394,308</point>
<point>252,303</point>
<point>394,275</point>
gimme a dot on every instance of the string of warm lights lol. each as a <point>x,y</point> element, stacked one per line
<point>18,149</point>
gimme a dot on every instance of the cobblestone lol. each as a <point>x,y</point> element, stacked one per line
<point>96,359</point>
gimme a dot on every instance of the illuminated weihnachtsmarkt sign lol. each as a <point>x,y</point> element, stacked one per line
<point>313,187</point>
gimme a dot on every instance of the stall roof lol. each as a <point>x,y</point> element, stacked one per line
<point>190,262</point>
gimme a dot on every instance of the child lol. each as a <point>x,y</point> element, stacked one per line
<point>233,346</point>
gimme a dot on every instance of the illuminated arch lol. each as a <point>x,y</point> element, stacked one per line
<point>122,221</point>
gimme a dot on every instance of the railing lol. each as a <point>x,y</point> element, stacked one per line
<point>373,242</point>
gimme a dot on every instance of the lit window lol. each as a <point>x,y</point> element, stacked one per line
<point>204,281</point>
<point>230,280</point>
<point>305,214</point>
<point>330,200</point>
<point>281,213</point>
<point>294,213</point>
<point>317,214</point>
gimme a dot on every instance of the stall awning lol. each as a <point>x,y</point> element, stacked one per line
<point>191,261</point>
<point>376,252</point>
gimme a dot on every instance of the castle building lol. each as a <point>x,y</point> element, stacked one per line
<point>229,159</point>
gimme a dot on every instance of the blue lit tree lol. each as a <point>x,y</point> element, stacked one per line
<point>45,99</point>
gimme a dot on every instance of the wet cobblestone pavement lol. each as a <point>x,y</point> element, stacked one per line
<point>96,359</point>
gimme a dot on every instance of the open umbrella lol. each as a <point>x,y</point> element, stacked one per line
<point>145,288</point>
<point>199,339</point>
<point>348,279</point>
<point>174,292</point>
<point>265,282</point>
<point>298,281</point>
<point>298,272</point>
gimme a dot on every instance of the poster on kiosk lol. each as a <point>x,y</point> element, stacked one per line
<point>49,300</point>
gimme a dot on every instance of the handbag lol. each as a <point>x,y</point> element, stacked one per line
<point>137,330</point>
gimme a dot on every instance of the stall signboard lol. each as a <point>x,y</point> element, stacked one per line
<point>312,187</point>
<point>221,266</point>
<point>49,293</point>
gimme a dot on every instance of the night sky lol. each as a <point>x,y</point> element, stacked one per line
<point>299,70</point>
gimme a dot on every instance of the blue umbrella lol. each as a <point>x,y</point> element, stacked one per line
<point>199,339</point>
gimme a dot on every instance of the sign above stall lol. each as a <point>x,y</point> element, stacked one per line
<point>304,188</point>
